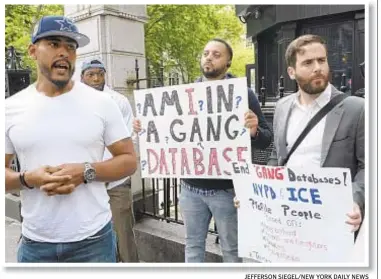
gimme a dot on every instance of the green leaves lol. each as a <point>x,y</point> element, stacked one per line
<point>175,33</point>
<point>19,22</point>
<point>178,33</point>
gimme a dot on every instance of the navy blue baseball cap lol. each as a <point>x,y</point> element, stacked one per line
<point>92,63</point>
<point>60,26</point>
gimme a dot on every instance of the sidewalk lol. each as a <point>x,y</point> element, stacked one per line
<point>12,235</point>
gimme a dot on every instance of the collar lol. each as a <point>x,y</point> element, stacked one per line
<point>320,101</point>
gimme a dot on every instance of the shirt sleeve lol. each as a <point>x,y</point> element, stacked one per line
<point>127,113</point>
<point>115,127</point>
<point>9,148</point>
<point>264,136</point>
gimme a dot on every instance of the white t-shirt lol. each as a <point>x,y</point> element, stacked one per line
<point>125,108</point>
<point>74,127</point>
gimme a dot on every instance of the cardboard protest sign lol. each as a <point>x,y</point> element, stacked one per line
<point>294,214</point>
<point>193,130</point>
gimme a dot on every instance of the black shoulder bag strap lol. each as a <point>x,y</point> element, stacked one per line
<point>318,116</point>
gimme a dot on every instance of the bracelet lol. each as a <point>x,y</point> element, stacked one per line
<point>22,180</point>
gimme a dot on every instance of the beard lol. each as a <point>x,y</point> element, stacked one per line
<point>307,84</point>
<point>60,84</point>
<point>213,73</point>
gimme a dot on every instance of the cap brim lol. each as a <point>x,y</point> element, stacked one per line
<point>93,66</point>
<point>81,39</point>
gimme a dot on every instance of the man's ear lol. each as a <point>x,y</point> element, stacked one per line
<point>291,72</point>
<point>32,51</point>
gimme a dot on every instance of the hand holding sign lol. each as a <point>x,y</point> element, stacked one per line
<point>137,125</point>
<point>355,217</point>
<point>236,202</point>
<point>251,122</point>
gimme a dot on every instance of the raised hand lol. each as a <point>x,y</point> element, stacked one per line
<point>355,218</point>
<point>137,125</point>
<point>251,122</point>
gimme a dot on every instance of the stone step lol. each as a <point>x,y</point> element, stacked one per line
<point>12,206</point>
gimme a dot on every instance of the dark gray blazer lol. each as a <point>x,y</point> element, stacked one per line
<point>343,140</point>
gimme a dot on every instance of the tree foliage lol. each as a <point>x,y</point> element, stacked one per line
<point>177,34</point>
<point>242,55</point>
<point>19,22</point>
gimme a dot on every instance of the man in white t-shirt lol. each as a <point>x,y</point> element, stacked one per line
<point>93,74</point>
<point>59,129</point>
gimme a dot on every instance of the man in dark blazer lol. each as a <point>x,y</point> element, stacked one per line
<point>338,139</point>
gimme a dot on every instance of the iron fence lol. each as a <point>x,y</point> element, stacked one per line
<point>161,201</point>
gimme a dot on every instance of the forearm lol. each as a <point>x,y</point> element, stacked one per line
<point>263,138</point>
<point>358,187</point>
<point>12,180</point>
<point>264,135</point>
<point>115,168</point>
<point>358,184</point>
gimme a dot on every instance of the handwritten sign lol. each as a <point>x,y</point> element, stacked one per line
<point>193,130</point>
<point>294,214</point>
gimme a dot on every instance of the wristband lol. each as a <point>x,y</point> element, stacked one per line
<point>23,182</point>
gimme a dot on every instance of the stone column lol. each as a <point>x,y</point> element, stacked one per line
<point>116,35</point>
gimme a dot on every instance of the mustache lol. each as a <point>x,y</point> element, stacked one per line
<point>318,76</point>
<point>62,60</point>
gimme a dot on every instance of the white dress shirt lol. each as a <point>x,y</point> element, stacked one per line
<point>308,153</point>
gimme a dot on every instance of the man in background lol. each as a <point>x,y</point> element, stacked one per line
<point>337,140</point>
<point>93,74</point>
<point>202,199</point>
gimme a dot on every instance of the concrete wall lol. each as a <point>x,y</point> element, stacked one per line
<point>116,35</point>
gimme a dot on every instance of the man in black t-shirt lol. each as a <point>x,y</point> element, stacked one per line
<point>202,199</point>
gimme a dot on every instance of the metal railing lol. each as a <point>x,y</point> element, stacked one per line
<point>161,201</point>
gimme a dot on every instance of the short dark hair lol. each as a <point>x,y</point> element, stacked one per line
<point>228,47</point>
<point>296,47</point>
